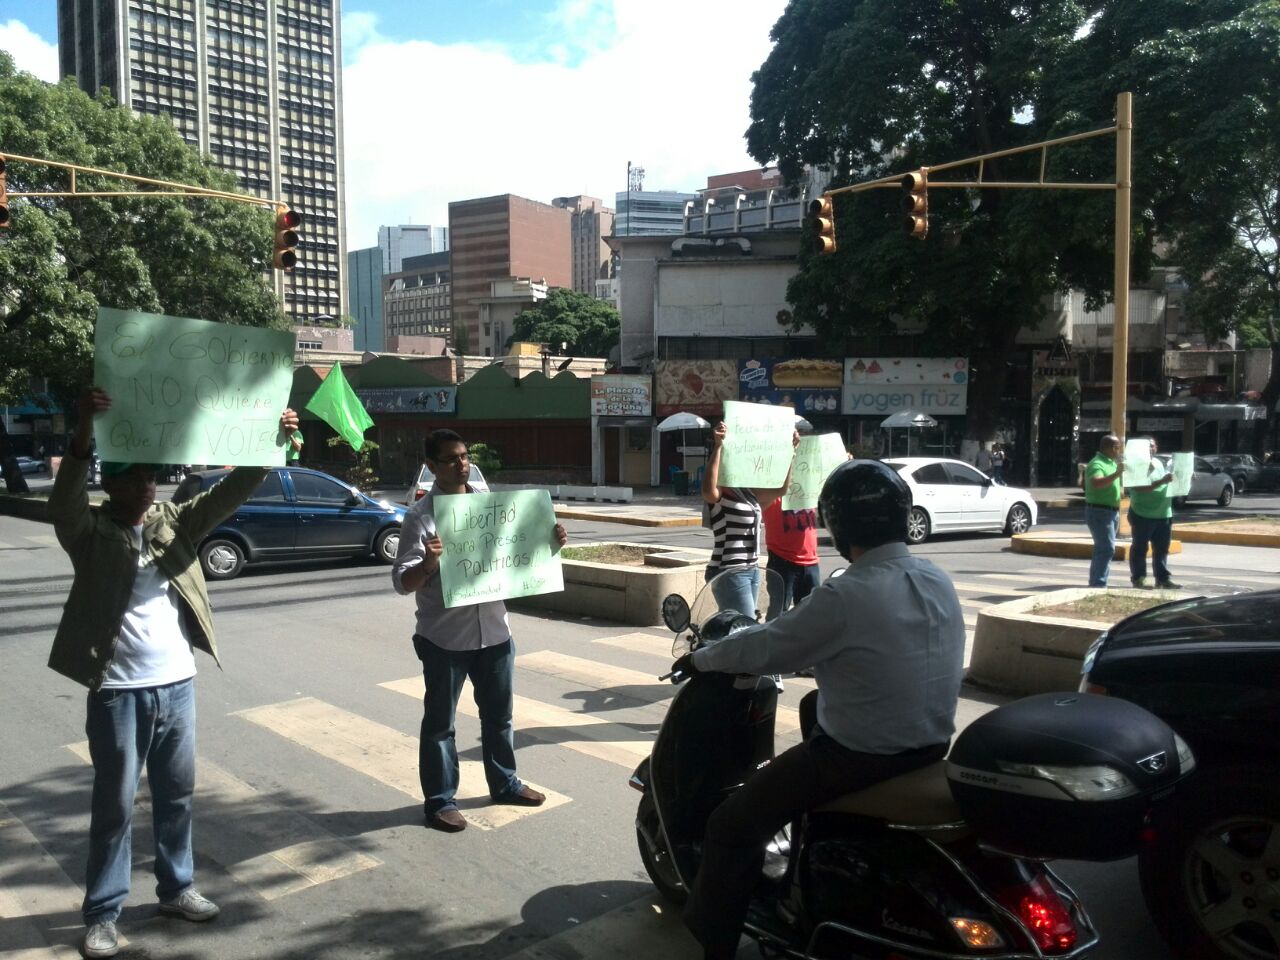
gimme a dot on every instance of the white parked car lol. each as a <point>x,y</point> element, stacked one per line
<point>950,495</point>
<point>426,480</point>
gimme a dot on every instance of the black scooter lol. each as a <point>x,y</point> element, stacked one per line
<point>889,872</point>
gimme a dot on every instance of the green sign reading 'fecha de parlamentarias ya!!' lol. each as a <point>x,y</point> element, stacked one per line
<point>497,546</point>
<point>190,391</point>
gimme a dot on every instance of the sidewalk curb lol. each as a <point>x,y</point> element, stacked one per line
<point>1201,533</point>
<point>1070,546</point>
<point>568,513</point>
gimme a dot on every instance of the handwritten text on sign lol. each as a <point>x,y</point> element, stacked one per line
<point>190,391</point>
<point>757,445</point>
<point>497,545</point>
<point>816,457</point>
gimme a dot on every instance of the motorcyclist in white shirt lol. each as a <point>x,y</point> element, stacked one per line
<point>886,644</point>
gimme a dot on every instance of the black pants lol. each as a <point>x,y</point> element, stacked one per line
<point>808,775</point>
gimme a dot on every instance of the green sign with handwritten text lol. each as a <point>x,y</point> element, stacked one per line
<point>757,445</point>
<point>497,546</point>
<point>816,457</point>
<point>190,391</point>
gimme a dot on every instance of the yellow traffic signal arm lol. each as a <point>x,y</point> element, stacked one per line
<point>176,189</point>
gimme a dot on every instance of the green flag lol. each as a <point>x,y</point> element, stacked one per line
<point>336,404</point>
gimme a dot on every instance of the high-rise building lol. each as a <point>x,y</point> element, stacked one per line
<point>364,298</point>
<point>591,223</point>
<point>416,300</point>
<point>256,84</point>
<point>502,238</point>
<point>410,240</point>
<point>650,212</point>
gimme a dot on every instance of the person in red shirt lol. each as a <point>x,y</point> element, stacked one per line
<point>791,538</point>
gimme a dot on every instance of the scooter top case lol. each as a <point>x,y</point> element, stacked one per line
<point>1065,775</point>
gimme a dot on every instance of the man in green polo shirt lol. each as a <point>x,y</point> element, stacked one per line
<point>1102,482</point>
<point>1151,517</point>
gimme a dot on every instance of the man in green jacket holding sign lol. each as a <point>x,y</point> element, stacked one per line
<point>1102,481</point>
<point>136,615</point>
<point>1151,518</point>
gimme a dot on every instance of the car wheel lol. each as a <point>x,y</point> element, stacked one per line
<point>1019,520</point>
<point>1224,498</point>
<point>1179,502</point>
<point>221,559</point>
<point>917,526</point>
<point>1209,875</point>
<point>387,544</point>
<point>1239,485</point>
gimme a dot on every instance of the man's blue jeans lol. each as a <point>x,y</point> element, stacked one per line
<point>155,728</point>
<point>798,581</point>
<point>443,671</point>
<point>1103,524</point>
<point>1158,533</point>
<point>737,590</point>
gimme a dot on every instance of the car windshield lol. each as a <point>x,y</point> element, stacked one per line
<point>1236,610</point>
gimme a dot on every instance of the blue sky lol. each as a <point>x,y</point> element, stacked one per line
<point>452,99</point>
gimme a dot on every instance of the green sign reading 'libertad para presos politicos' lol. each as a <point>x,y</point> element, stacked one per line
<point>497,546</point>
<point>190,391</point>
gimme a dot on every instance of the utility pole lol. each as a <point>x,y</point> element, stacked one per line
<point>1120,329</point>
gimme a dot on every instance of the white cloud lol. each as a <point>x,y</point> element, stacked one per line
<point>29,50</point>
<point>663,83</point>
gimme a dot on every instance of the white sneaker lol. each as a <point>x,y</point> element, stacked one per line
<point>101,940</point>
<point>190,906</point>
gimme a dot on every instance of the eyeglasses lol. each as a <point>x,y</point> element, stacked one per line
<point>454,460</point>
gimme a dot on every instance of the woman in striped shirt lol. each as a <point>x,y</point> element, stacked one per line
<point>736,524</point>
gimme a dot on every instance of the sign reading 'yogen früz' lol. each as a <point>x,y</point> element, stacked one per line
<point>497,546</point>
<point>190,391</point>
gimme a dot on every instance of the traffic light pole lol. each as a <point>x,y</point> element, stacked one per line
<point>175,189</point>
<point>1123,188</point>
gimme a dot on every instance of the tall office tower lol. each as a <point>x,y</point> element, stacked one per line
<point>495,239</point>
<point>364,298</point>
<point>411,240</point>
<point>650,212</point>
<point>592,222</point>
<point>257,85</point>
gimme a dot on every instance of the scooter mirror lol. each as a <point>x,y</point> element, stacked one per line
<point>675,613</point>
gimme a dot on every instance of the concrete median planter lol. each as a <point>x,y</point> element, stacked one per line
<point>625,593</point>
<point>1017,651</point>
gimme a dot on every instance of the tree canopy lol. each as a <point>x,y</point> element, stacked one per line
<point>60,259</point>
<point>589,327</point>
<point>869,89</point>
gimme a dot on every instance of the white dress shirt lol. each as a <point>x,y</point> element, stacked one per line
<point>450,628</point>
<point>886,643</point>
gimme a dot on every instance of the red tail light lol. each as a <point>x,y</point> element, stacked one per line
<point>419,494</point>
<point>1040,908</point>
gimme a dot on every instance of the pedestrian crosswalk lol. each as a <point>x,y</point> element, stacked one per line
<point>597,699</point>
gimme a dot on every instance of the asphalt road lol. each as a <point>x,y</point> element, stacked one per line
<point>308,823</point>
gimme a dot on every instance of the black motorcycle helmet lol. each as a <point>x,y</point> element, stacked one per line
<point>865,504</point>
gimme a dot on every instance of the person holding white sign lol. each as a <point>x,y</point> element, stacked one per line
<point>1151,519</point>
<point>456,644</point>
<point>137,612</point>
<point>736,522</point>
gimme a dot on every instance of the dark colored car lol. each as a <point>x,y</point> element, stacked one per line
<point>296,514</point>
<point>1210,668</point>
<point>1245,470</point>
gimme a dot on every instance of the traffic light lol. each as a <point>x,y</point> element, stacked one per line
<point>287,222</point>
<point>824,220</point>
<point>4,197</point>
<point>915,201</point>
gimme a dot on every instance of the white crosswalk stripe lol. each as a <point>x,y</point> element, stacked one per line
<point>311,856</point>
<point>386,755</point>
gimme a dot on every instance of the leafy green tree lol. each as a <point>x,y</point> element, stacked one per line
<point>360,470</point>
<point>60,258</point>
<point>589,326</point>
<point>870,89</point>
<point>1206,82</point>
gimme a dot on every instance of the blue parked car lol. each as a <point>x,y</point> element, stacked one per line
<point>296,514</point>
